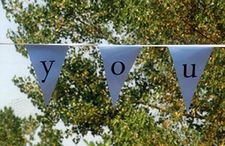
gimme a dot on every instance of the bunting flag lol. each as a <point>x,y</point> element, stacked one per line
<point>47,61</point>
<point>189,62</point>
<point>117,60</point>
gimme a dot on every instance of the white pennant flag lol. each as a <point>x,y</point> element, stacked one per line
<point>189,62</point>
<point>47,61</point>
<point>117,60</point>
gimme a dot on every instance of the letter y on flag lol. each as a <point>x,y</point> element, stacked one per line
<point>47,61</point>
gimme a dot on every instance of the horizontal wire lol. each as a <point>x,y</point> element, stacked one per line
<point>50,44</point>
<point>94,45</point>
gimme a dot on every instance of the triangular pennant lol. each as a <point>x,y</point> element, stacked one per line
<point>118,60</point>
<point>47,61</point>
<point>189,62</point>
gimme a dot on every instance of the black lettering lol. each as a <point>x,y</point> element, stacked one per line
<point>47,69</point>
<point>122,68</point>
<point>193,71</point>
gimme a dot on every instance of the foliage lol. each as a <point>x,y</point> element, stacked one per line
<point>11,129</point>
<point>151,112</point>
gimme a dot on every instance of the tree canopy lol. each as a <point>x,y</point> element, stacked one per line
<point>150,113</point>
<point>11,129</point>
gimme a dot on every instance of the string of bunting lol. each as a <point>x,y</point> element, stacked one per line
<point>96,45</point>
<point>189,62</point>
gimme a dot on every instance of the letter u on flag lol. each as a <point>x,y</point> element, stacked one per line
<point>47,61</point>
<point>189,62</point>
<point>118,60</point>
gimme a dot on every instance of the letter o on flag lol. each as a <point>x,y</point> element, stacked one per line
<point>118,72</point>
